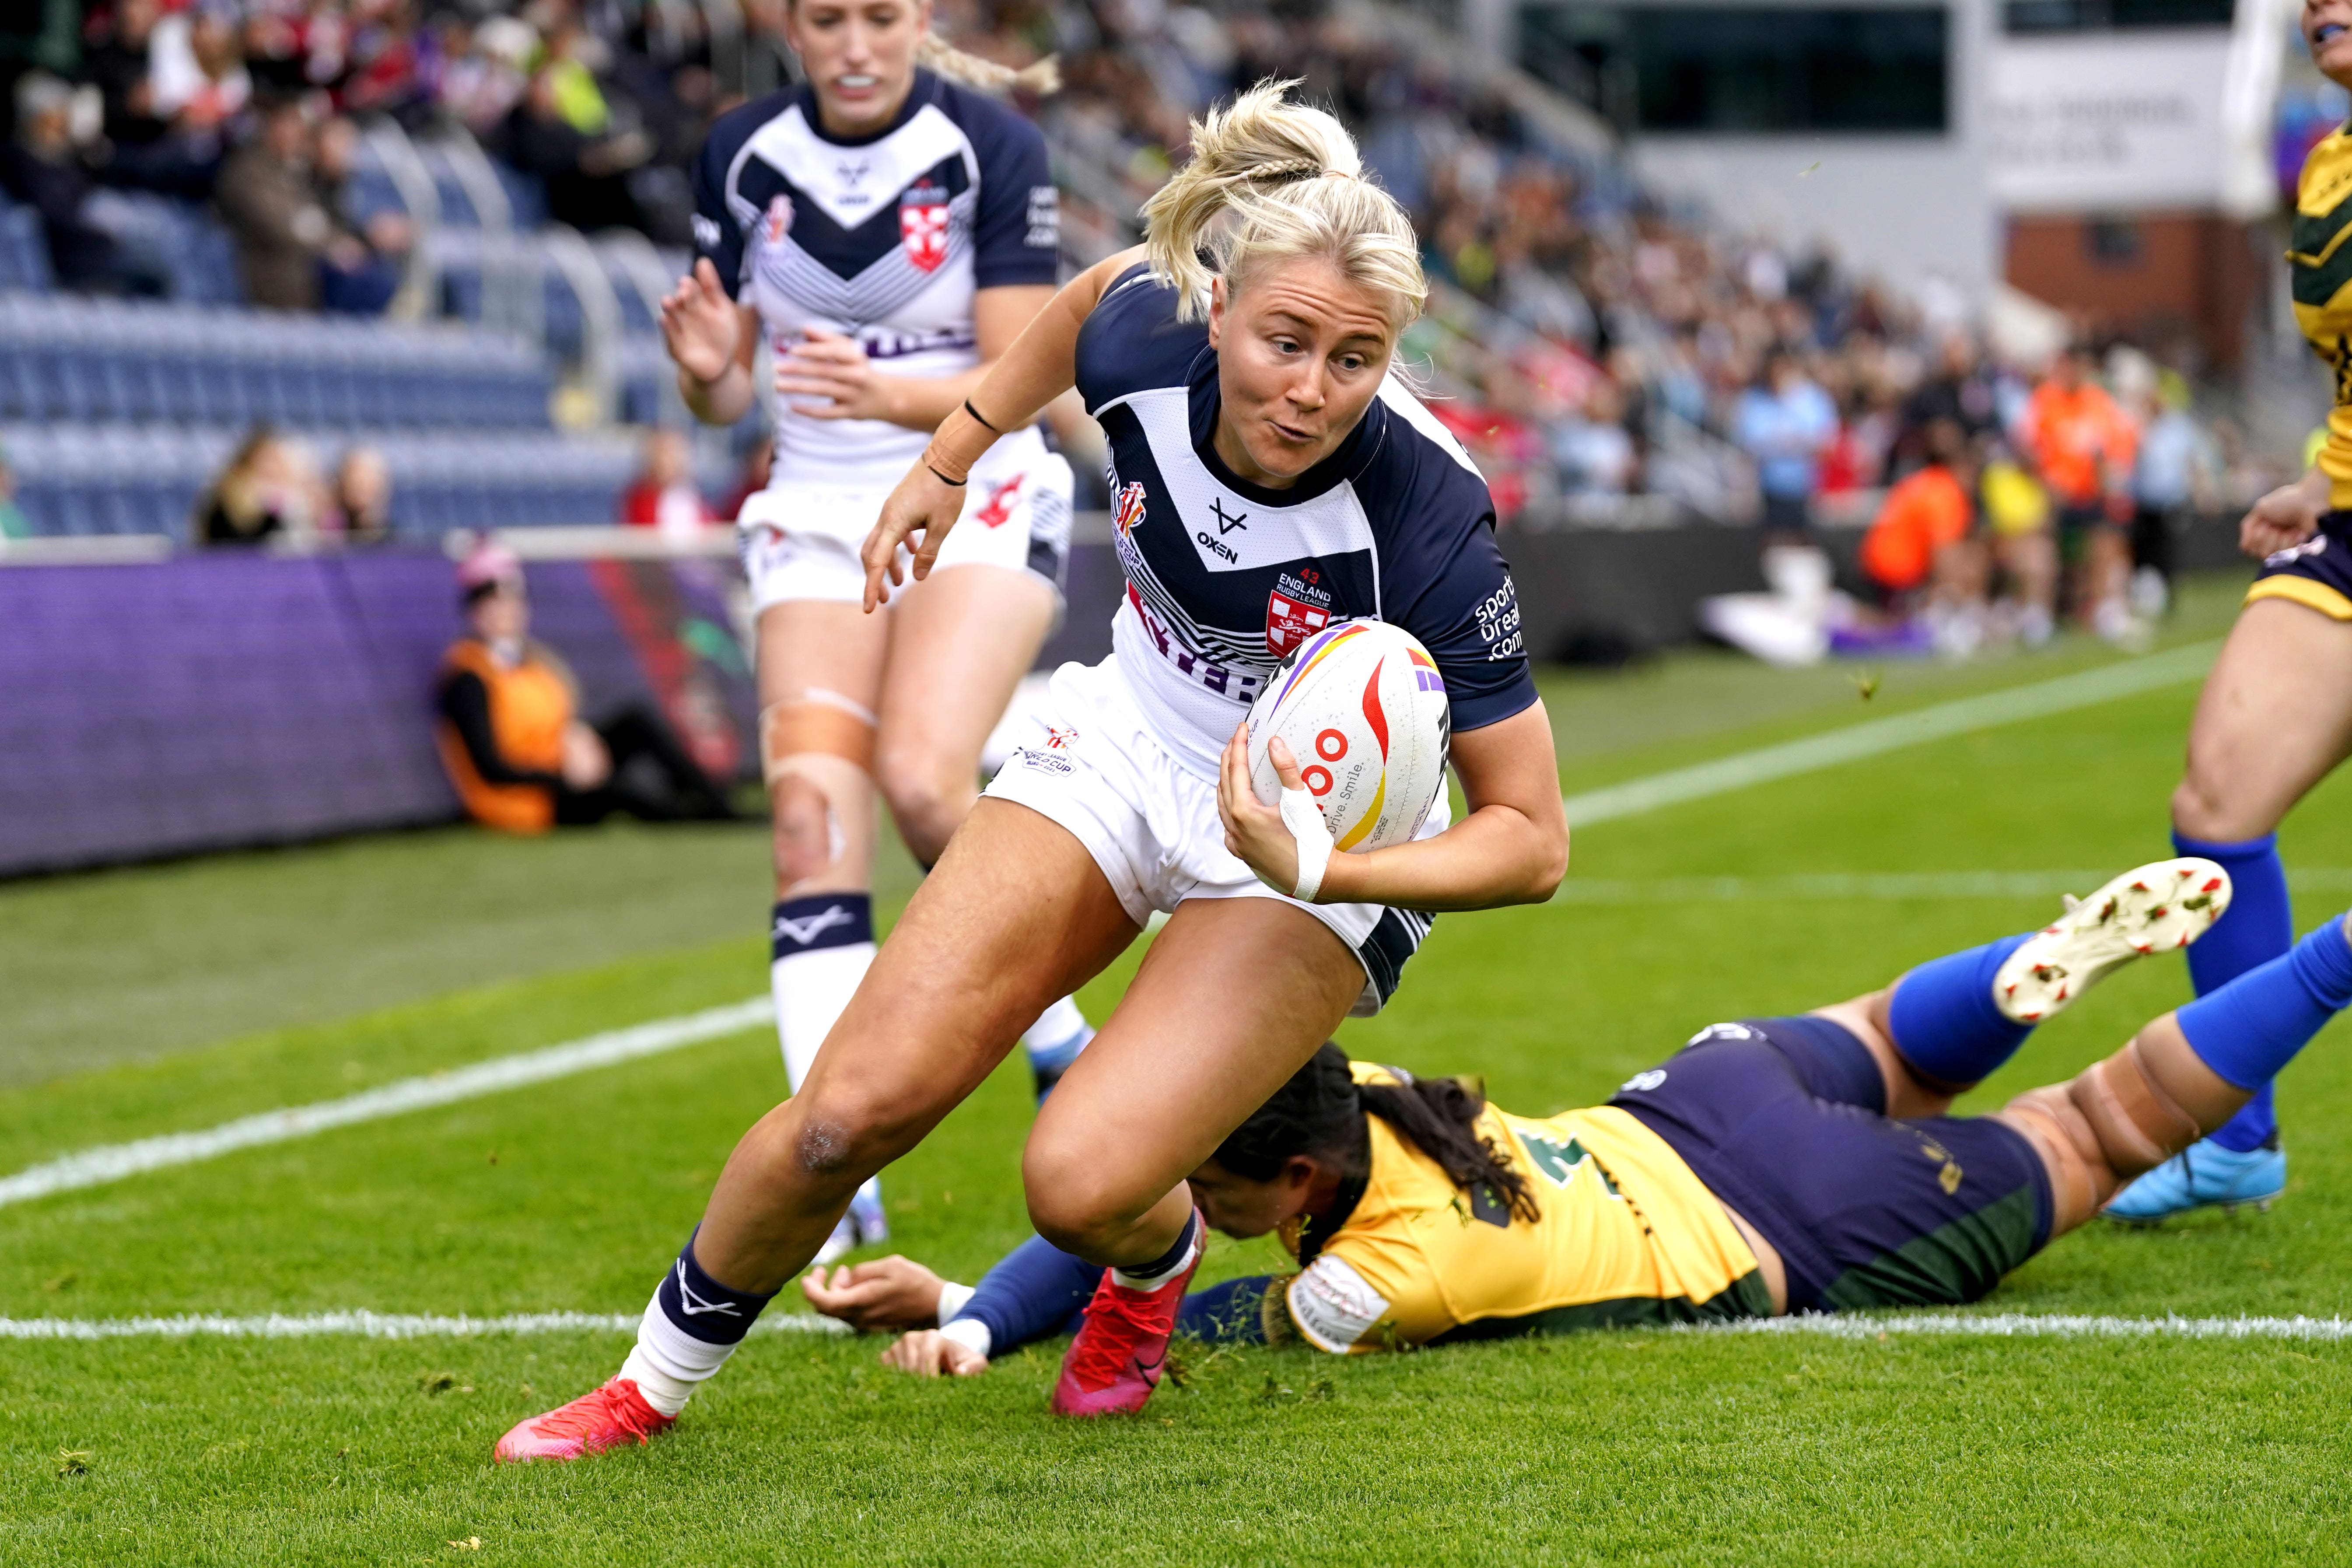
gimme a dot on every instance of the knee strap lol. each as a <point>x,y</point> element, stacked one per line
<point>2138,1126</point>
<point>819,721</point>
<point>2079,1182</point>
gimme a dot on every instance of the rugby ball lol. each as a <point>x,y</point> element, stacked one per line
<point>1362,707</point>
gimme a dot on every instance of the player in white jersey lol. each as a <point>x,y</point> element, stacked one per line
<point>888,230</point>
<point>1269,477</point>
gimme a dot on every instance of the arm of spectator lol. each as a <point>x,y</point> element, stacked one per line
<point>466,704</point>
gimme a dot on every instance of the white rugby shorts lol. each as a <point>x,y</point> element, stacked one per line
<point>802,543</point>
<point>1093,766</point>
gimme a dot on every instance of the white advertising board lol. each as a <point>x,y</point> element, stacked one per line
<point>2108,121</point>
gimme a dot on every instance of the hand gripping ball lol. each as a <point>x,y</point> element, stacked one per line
<point>1364,710</point>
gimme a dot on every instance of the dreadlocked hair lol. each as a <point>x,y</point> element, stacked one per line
<point>937,55</point>
<point>1321,1113</point>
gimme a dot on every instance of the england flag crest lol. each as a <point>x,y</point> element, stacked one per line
<point>923,226</point>
<point>1298,607</point>
<point>779,222</point>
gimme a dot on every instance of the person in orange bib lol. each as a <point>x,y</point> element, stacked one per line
<point>2085,446</point>
<point>1924,539</point>
<point>518,754</point>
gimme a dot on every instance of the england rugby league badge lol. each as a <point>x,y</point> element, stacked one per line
<point>1298,607</point>
<point>923,224</point>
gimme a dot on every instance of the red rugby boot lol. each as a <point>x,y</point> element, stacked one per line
<point>605,1418</point>
<point>1123,1347</point>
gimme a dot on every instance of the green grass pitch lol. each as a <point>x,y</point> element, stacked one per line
<point>172,998</point>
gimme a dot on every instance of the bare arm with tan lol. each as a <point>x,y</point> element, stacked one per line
<point>828,375</point>
<point>1040,366</point>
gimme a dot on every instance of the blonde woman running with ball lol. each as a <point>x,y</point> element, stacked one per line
<point>1269,474</point>
<point>890,231</point>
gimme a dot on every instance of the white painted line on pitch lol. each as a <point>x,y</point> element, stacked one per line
<point>2042,1325</point>
<point>1852,885</point>
<point>1855,742</point>
<point>113,1162</point>
<point>368,1326</point>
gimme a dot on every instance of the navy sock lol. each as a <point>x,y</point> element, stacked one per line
<point>2259,927</point>
<point>819,921</point>
<point>1140,1275</point>
<point>701,1308</point>
<point>1944,1020</point>
<point>2254,1026</point>
<point>1035,1291</point>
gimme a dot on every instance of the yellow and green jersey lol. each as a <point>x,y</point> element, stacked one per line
<point>1625,1234</point>
<point>2319,266</point>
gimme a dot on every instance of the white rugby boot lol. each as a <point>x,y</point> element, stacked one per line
<point>2155,908</point>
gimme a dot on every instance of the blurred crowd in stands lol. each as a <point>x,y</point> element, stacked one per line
<point>1589,341</point>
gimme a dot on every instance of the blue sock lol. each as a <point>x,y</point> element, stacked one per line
<point>1035,1291</point>
<point>2259,927</point>
<point>1943,1017</point>
<point>2254,1026</point>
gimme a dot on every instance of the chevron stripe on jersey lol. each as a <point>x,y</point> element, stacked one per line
<point>885,238</point>
<point>1223,576</point>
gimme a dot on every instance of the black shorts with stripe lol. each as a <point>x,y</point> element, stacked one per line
<point>2317,573</point>
<point>1785,1121</point>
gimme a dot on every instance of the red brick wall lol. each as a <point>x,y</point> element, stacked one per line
<point>2153,276</point>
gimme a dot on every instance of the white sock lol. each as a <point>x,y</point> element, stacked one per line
<point>668,1364</point>
<point>1057,1036</point>
<point>1167,1277</point>
<point>811,989</point>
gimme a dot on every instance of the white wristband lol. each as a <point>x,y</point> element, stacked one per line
<point>971,1333</point>
<point>1305,820</point>
<point>952,1297</point>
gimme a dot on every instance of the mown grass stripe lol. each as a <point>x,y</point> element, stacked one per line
<point>113,1162</point>
<point>367,1326</point>
<point>2040,1325</point>
<point>1842,1326</point>
<point>1856,741</point>
<point>1846,887</point>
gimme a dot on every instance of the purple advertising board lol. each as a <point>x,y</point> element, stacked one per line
<point>224,699</point>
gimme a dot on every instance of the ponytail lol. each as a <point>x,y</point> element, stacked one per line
<point>1291,178</point>
<point>1320,1112</point>
<point>937,55</point>
<point>1439,1116</point>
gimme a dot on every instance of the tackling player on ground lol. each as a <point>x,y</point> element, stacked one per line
<point>1775,1165</point>
<point>2275,716</point>
<point>890,231</point>
<point>1271,478</point>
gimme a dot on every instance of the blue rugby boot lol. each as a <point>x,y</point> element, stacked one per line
<point>2203,1176</point>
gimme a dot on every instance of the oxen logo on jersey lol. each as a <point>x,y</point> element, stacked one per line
<point>923,224</point>
<point>1129,510</point>
<point>1298,607</point>
<point>998,510</point>
<point>779,222</point>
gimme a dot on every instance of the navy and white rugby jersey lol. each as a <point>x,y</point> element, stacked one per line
<point>884,237</point>
<point>1224,577</point>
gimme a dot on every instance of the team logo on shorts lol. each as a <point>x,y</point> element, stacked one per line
<point>1298,607</point>
<point>923,226</point>
<point>1129,510</point>
<point>779,221</point>
<point>1054,756</point>
<point>998,510</point>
